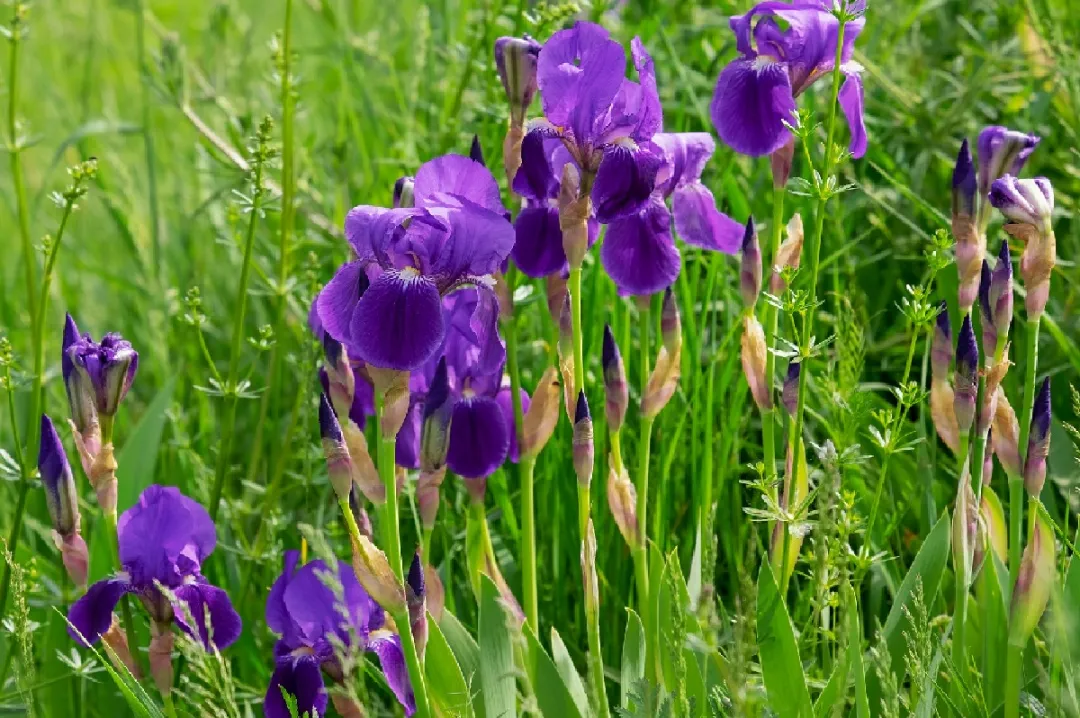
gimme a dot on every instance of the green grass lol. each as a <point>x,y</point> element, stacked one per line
<point>168,95</point>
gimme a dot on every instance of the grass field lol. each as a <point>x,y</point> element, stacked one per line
<point>212,285</point>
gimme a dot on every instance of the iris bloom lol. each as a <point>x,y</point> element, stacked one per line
<point>164,538</point>
<point>482,432</point>
<point>605,121</point>
<point>316,623</point>
<point>386,305</point>
<point>639,252</point>
<point>783,49</point>
<point>96,374</point>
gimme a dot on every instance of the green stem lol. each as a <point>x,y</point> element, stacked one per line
<point>1016,497</point>
<point>574,286</point>
<point>596,665</point>
<point>814,246</point>
<point>148,138</point>
<point>15,158</point>
<point>641,555</point>
<point>237,341</point>
<point>528,540</point>
<point>391,540</point>
<point>772,321</point>
<point>1012,682</point>
<point>959,635</point>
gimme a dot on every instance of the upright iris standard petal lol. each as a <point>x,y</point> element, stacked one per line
<point>301,678</point>
<point>479,440</point>
<point>456,177</point>
<point>216,622</point>
<point>164,536</point>
<point>397,323</point>
<point>851,103</point>
<point>624,182</point>
<point>639,253</point>
<point>1002,151</point>
<point>105,370</point>
<point>751,104</point>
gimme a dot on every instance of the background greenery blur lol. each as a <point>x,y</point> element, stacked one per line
<point>167,96</point>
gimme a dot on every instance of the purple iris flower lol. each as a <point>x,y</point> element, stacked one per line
<point>386,305</point>
<point>100,371</point>
<point>605,121</point>
<point>639,252</point>
<point>164,538</point>
<point>755,94</point>
<point>482,432</point>
<point>316,622</point>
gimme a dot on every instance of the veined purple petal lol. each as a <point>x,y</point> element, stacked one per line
<point>685,155</point>
<point>485,322</point>
<point>71,336</point>
<point>479,440</point>
<point>624,182</point>
<point>165,536</point>
<point>504,397</point>
<point>457,176</point>
<point>206,601</point>
<point>639,253</point>
<point>538,250</point>
<point>397,323</point>
<point>388,648</point>
<point>318,612</point>
<point>407,445</point>
<point>1002,151</point>
<point>580,70</point>
<point>478,242</point>
<point>373,231</point>
<point>61,495</point>
<point>92,614</point>
<point>752,101</point>
<point>635,110</point>
<point>851,103</point>
<point>698,222</point>
<point>536,178</point>
<point>338,299</point>
<point>278,619</point>
<point>300,677</point>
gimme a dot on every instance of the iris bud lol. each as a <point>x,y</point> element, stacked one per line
<point>79,392</point>
<point>754,353</point>
<point>375,575</point>
<point>438,412</point>
<point>515,59</point>
<point>965,523</point>
<point>970,242</point>
<point>750,267</point>
<point>616,391</point>
<point>943,413</point>
<point>941,347</point>
<point>1032,590</point>
<point>967,369</point>
<point>1024,201</point>
<point>622,500</point>
<point>415,599</point>
<point>60,493</point>
<point>789,256</point>
<point>1005,435</point>
<point>340,382</point>
<point>583,449</point>
<point>543,415</point>
<point>574,210</point>
<point>790,394</point>
<point>104,370</point>
<point>670,322</point>
<point>403,192</point>
<point>1038,447</point>
<point>1002,151</point>
<point>338,461</point>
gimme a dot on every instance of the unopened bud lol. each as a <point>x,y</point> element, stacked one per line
<point>543,414</point>
<point>427,495</point>
<point>364,474</point>
<point>964,183</point>
<point>750,265</point>
<point>663,381</point>
<point>61,495</point>
<point>616,390</point>
<point>393,386</point>
<point>970,243</point>
<point>965,524</point>
<point>375,575</point>
<point>790,393</point>
<point>340,382</point>
<point>622,500</point>
<point>338,461</point>
<point>515,59</point>
<point>789,256</point>
<point>1005,435</point>
<point>1033,584</point>
<point>583,448</point>
<point>966,389</point>
<point>403,192</point>
<point>992,529</point>
<point>346,705</point>
<point>754,354</point>
<point>992,378</point>
<point>670,322</point>
<point>79,392</point>
<point>1002,151</point>
<point>438,412</point>
<point>943,413</point>
<point>1038,447</point>
<point>415,599</point>
<point>1024,201</point>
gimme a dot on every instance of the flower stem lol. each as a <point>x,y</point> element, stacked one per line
<point>15,157</point>
<point>574,286</point>
<point>641,562</point>
<point>815,243</point>
<point>772,320</point>
<point>1016,483</point>
<point>1012,682</point>
<point>528,539</point>
<point>237,341</point>
<point>391,540</point>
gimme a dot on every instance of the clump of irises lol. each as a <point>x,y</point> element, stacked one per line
<point>420,379</point>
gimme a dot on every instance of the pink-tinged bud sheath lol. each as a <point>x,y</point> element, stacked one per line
<point>416,600</point>
<point>970,242</point>
<point>1033,584</point>
<point>753,355</point>
<point>941,347</point>
<point>670,322</point>
<point>622,500</point>
<point>790,394</point>
<point>1038,447</point>
<point>616,390</point>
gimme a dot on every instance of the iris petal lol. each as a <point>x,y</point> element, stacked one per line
<point>751,103</point>
<point>205,601</point>
<point>398,322</point>
<point>536,178</point>
<point>538,250</point>
<point>458,176</point>
<point>388,648</point>
<point>851,102</point>
<point>277,615</point>
<point>372,231</point>
<point>301,678</point>
<point>407,448</point>
<point>507,406</point>
<point>337,301</point>
<point>479,440</point>
<point>92,614</point>
<point>699,223</point>
<point>639,253</point>
<point>164,536</point>
<point>624,182</point>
